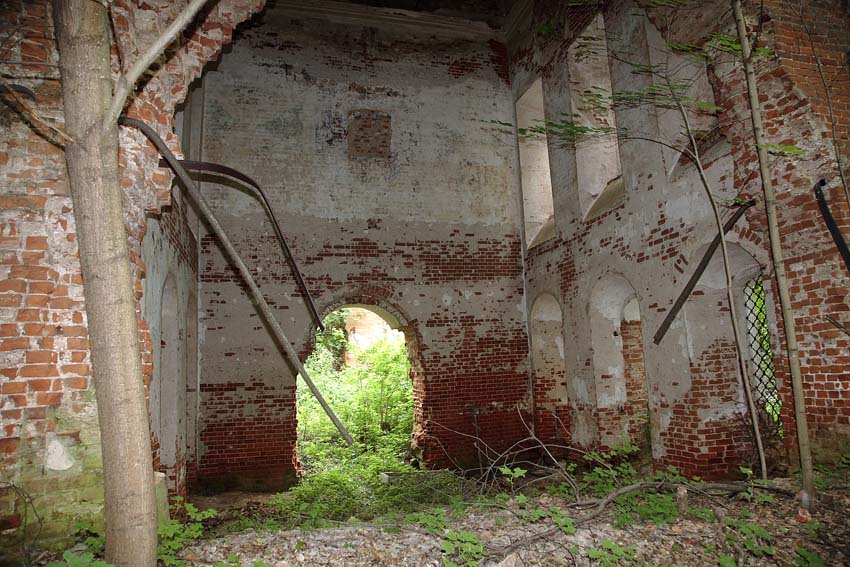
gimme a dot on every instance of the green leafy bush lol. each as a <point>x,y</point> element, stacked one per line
<point>174,535</point>
<point>353,488</point>
<point>373,398</point>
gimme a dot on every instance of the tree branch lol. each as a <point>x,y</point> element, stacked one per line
<point>127,81</point>
<point>31,113</point>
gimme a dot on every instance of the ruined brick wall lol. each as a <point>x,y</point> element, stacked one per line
<point>49,443</point>
<point>697,414</point>
<point>392,190</point>
<point>637,395</point>
<point>169,251</point>
<point>545,328</point>
<point>795,113</point>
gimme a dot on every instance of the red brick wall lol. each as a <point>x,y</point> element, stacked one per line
<point>656,253</point>
<point>637,409</point>
<point>43,338</point>
<point>725,440</point>
<point>414,211</point>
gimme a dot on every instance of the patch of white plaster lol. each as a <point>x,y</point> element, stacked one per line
<point>57,457</point>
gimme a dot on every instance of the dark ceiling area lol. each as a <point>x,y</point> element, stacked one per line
<point>490,11</point>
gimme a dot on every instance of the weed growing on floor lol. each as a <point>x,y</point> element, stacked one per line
<point>610,469</point>
<point>354,489</point>
<point>174,535</point>
<point>755,539</point>
<point>609,554</point>
<point>806,558</point>
<point>463,548</point>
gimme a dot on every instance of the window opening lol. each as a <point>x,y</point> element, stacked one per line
<point>537,203</point>
<point>599,175</point>
<point>763,370</point>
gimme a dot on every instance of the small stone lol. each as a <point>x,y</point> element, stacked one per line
<point>511,560</point>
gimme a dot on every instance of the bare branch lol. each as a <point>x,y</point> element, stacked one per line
<point>838,325</point>
<point>829,104</point>
<point>31,113</point>
<point>127,81</point>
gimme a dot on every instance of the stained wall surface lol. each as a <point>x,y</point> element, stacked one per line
<point>49,437</point>
<point>655,236</point>
<point>392,190</point>
<point>396,190</point>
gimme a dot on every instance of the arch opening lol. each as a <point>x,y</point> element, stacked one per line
<point>622,392</point>
<point>548,368</point>
<point>361,364</point>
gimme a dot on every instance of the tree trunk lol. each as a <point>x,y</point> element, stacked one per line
<point>83,35</point>
<point>803,443</point>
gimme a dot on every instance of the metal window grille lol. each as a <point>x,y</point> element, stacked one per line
<point>763,371</point>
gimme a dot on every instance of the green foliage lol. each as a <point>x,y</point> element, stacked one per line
<point>334,339</point>
<point>91,536</point>
<point>512,475</point>
<point>434,520</point>
<point>729,44</point>
<point>82,560</point>
<point>651,506</point>
<point>612,555</point>
<point>755,538</point>
<point>562,520</point>
<point>233,561</point>
<point>324,498</point>
<point>806,558</point>
<point>463,547</point>
<point>703,514</point>
<point>783,149</point>
<point>353,489</point>
<point>726,561</point>
<point>812,529</point>
<point>611,469</point>
<point>260,524</point>
<point>373,399</point>
<point>174,535</point>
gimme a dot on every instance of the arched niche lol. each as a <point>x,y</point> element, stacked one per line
<point>622,399</point>
<point>168,389</point>
<point>548,370</point>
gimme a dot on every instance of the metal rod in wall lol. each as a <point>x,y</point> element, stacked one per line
<point>218,169</point>
<point>689,287</point>
<point>216,227</point>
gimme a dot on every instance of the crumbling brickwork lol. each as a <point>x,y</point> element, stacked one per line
<point>697,416</point>
<point>49,439</point>
<point>405,206</point>
<point>375,135</point>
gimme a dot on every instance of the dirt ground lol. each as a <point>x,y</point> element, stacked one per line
<point>725,536</point>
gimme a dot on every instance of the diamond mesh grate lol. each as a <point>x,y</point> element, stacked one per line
<point>763,371</point>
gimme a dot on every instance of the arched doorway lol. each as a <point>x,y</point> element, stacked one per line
<point>361,366</point>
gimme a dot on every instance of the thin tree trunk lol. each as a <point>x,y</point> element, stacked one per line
<point>83,36</point>
<point>733,312</point>
<point>803,443</point>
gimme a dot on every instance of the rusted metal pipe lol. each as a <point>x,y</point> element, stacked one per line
<point>218,169</point>
<point>216,227</point>
<point>689,287</point>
